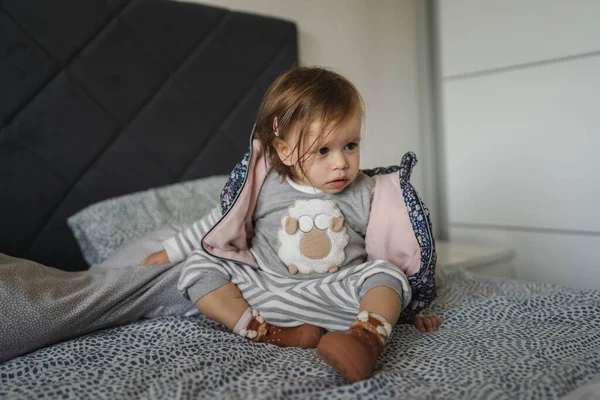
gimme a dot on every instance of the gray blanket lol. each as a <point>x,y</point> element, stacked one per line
<point>40,305</point>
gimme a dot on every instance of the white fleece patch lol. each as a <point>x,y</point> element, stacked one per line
<point>313,237</point>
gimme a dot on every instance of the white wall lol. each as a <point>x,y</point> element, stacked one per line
<point>521,101</point>
<point>372,43</point>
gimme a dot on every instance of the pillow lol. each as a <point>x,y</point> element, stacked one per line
<point>103,227</point>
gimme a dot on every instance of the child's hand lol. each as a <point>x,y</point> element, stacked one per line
<point>427,323</point>
<point>160,257</point>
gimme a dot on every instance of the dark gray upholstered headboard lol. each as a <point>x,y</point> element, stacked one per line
<point>99,98</point>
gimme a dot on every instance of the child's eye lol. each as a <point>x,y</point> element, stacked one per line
<point>351,146</point>
<point>323,150</point>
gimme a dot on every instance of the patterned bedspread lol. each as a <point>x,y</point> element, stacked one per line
<point>499,340</point>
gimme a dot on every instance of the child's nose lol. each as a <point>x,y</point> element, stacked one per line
<point>340,162</point>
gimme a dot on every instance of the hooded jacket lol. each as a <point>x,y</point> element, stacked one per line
<point>399,229</point>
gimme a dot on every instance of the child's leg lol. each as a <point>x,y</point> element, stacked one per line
<point>227,306</point>
<point>384,301</point>
<point>353,354</point>
<point>224,305</point>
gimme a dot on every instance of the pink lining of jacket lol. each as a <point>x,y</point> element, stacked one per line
<point>389,235</point>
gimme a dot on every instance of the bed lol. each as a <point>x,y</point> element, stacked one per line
<point>120,121</point>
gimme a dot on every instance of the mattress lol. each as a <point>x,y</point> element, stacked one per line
<point>500,339</point>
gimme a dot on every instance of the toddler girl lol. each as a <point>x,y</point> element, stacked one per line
<point>287,255</point>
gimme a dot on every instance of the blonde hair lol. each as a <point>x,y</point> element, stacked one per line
<point>298,98</point>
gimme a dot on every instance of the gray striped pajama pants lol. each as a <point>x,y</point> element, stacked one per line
<point>331,302</point>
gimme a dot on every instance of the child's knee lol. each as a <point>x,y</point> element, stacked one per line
<point>212,286</point>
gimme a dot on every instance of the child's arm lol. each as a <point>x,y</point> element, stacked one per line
<point>175,247</point>
<point>185,242</point>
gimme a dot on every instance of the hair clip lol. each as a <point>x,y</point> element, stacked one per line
<point>275,127</point>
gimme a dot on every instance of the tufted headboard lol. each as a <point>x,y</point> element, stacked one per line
<point>99,98</point>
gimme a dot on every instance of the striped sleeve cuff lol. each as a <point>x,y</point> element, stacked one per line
<point>173,251</point>
<point>185,242</point>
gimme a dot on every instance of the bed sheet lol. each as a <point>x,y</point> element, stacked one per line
<point>500,339</point>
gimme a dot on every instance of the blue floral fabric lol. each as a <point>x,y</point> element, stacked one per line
<point>422,282</point>
<point>235,182</point>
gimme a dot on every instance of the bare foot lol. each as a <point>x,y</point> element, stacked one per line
<point>293,269</point>
<point>333,268</point>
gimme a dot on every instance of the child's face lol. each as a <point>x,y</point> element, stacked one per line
<point>331,164</point>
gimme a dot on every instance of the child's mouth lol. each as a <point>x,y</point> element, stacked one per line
<point>338,183</point>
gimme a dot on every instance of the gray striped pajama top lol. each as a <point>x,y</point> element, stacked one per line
<point>292,223</point>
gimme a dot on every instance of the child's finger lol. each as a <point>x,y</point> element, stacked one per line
<point>419,324</point>
<point>429,323</point>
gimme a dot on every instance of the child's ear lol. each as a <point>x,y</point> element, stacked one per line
<point>283,151</point>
